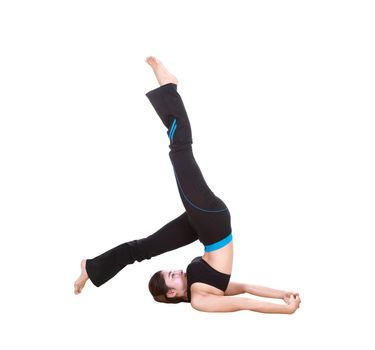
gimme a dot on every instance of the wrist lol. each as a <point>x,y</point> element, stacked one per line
<point>285,294</point>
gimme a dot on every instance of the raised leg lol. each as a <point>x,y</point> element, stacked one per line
<point>194,191</point>
<point>208,214</point>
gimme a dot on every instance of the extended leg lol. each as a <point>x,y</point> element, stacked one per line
<point>173,235</point>
<point>208,214</point>
<point>194,191</point>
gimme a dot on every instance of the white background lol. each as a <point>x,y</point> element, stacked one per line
<point>280,96</point>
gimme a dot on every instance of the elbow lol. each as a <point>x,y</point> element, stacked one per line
<point>195,306</point>
<point>200,307</point>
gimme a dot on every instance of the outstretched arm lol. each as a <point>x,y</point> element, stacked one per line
<point>215,303</point>
<point>267,292</point>
<point>235,288</point>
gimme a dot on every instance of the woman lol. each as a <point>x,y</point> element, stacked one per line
<point>206,283</point>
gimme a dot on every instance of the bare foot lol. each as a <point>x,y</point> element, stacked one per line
<point>81,280</point>
<point>161,73</point>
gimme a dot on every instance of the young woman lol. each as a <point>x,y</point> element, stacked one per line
<point>206,282</point>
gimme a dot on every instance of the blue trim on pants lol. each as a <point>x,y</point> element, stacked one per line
<point>218,245</point>
<point>172,129</point>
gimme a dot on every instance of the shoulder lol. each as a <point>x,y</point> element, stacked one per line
<point>201,293</point>
<point>198,300</point>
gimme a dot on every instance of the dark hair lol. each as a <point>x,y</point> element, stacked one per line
<point>159,290</point>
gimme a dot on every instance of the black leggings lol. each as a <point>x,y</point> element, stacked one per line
<point>206,217</point>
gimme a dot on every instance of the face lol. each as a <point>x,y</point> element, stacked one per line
<point>176,281</point>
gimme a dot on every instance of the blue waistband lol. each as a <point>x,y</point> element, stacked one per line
<point>218,245</point>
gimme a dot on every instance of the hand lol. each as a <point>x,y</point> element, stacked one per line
<point>286,296</point>
<point>293,303</point>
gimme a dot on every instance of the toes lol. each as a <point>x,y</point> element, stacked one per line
<point>152,61</point>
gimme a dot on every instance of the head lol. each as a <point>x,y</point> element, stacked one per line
<point>169,286</point>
